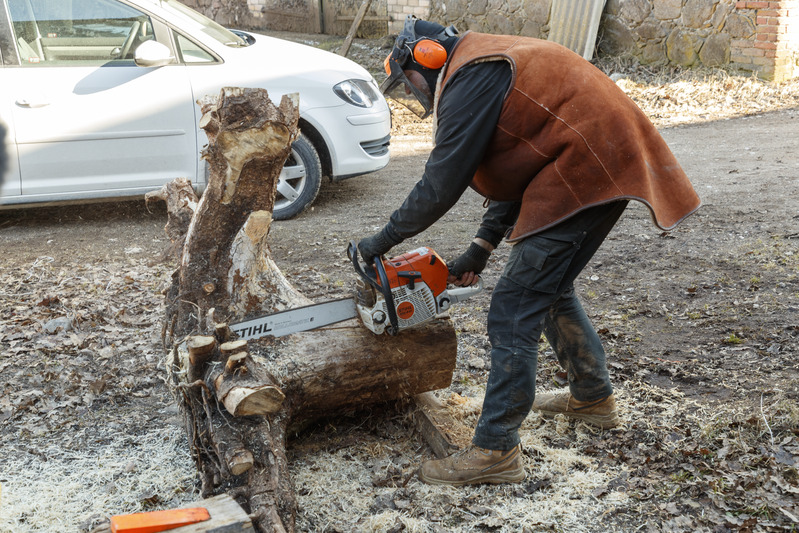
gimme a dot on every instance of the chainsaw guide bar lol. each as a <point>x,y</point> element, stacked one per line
<point>395,294</point>
<point>297,319</point>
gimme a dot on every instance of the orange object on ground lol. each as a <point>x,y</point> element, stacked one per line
<point>155,521</point>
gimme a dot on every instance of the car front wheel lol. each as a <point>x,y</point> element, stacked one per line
<point>299,180</point>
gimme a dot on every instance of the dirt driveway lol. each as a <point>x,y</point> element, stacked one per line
<point>700,326</point>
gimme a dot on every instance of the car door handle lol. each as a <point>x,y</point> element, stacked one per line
<point>32,103</point>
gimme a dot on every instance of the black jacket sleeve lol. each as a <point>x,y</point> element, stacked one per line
<point>497,220</point>
<point>468,111</point>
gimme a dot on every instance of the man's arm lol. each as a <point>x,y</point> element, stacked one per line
<point>497,220</point>
<point>467,115</point>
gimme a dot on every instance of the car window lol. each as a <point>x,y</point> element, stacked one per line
<point>192,53</point>
<point>77,33</point>
<point>196,22</point>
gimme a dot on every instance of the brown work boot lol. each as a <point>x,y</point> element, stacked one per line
<point>475,465</point>
<point>600,413</point>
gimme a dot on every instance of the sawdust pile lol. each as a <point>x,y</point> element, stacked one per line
<point>361,476</point>
<point>71,489</point>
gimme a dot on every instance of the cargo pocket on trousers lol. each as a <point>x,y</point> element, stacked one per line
<point>540,264</point>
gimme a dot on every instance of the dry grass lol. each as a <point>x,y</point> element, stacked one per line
<point>671,96</point>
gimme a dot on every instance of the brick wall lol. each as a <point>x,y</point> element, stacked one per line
<point>772,49</point>
<point>399,9</point>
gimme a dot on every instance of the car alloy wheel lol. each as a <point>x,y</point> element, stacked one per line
<point>299,180</point>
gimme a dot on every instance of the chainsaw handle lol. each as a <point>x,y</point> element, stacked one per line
<point>383,286</point>
<point>352,253</point>
<point>462,293</point>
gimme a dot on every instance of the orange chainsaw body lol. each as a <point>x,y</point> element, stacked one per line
<point>417,292</point>
<point>422,264</point>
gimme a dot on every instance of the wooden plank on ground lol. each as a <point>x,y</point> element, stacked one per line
<point>227,516</point>
<point>443,433</point>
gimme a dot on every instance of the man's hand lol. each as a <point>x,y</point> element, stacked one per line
<point>466,280</point>
<point>465,269</point>
<point>377,245</point>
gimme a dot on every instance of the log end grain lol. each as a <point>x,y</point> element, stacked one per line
<point>246,401</point>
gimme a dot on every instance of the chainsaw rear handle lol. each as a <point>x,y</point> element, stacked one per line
<point>462,293</point>
<point>383,286</point>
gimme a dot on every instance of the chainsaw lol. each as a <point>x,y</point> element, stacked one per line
<point>392,295</point>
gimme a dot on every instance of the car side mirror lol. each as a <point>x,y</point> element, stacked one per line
<point>153,54</point>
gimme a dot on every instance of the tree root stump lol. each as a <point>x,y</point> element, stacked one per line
<point>239,398</point>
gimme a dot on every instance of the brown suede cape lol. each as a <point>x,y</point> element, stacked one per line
<point>568,138</point>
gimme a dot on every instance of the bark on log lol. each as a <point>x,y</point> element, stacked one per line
<point>181,203</point>
<point>249,139</point>
<point>346,367</point>
<point>227,275</point>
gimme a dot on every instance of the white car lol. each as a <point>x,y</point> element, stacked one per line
<point>99,98</point>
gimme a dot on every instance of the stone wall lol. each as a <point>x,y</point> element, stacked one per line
<point>747,35</point>
<point>755,36</point>
<point>510,17</point>
<point>286,15</point>
<point>229,13</point>
<point>332,17</point>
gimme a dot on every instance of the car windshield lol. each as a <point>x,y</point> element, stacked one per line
<point>203,24</point>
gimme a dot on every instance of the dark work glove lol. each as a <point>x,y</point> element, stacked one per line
<point>474,259</point>
<point>378,244</point>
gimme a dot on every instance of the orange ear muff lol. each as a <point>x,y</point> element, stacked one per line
<point>430,54</point>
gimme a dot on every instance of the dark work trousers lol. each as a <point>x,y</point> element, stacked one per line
<point>536,293</point>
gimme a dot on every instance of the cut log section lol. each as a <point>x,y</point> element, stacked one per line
<point>235,361</point>
<point>239,461</point>
<point>233,347</point>
<point>347,367</point>
<point>201,348</point>
<point>239,397</point>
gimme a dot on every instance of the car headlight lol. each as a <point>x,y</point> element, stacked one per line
<point>356,92</point>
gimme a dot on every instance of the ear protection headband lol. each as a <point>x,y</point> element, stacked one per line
<point>425,54</point>
<point>425,51</point>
